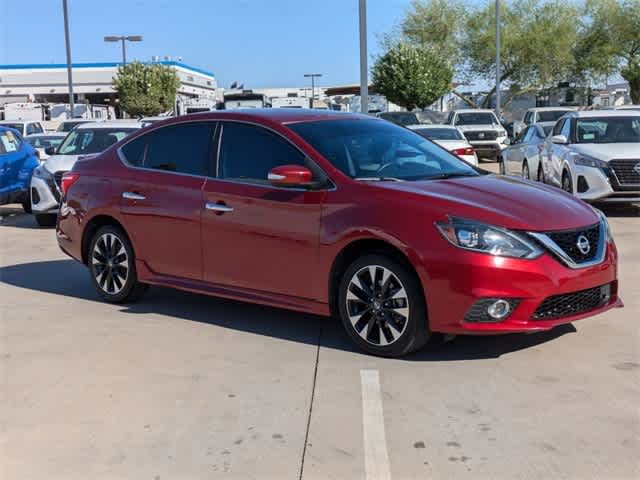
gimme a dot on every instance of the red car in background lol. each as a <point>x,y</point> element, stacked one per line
<point>335,214</point>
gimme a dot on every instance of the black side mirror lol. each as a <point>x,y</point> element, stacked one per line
<point>50,150</point>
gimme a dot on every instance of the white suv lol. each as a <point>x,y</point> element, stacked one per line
<point>543,116</point>
<point>595,155</point>
<point>482,129</point>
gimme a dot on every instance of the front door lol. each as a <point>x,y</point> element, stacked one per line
<point>161,201</point>
<point>256,236</point>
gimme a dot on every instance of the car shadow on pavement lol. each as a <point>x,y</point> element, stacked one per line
<point>17,218</point>
<point>619,211</point>
<point>260,320</point>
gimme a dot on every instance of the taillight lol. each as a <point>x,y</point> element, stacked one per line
<point>68,179</point>
<point>463,151</point>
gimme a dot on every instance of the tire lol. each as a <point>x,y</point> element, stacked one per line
<point>46,219</point>
<point>566,182</point>
<point>540,175</point>
<point>525,171</point>
<point>112,266</point>
<point>26,205</point>
<point>501,167</point>
<point>390,328</point>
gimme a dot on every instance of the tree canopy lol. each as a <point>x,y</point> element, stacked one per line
<point>146,89</point>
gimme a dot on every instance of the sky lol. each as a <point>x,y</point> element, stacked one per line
<point>261,43</point>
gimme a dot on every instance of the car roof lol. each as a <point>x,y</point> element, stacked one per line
<point>474,110</point>
<point>604,113</point>
<point>427,126</point>
<point>48,135</point>
<point>109,124</point>
<point>78,120</point>
<point>13,122</point>
<point>551,109</point>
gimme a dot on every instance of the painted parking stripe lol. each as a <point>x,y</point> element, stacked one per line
<point>376,457</point>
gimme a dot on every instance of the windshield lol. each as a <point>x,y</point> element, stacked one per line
<point>400,118</point>
<point>68,126</point>
<point>85,141</point>
<point>44,142</point>
<point>371,149</point>
<point>15,126</point>
<point>440,133</point>
<point>608,130</point>
<point>551,116</point>
<point>9,143</point>
<point>476,118</point>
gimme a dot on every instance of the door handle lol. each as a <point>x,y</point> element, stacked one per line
<point>133,196</point>
<point>218,207</point>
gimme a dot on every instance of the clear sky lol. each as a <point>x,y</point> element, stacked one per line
<point>261,43</point>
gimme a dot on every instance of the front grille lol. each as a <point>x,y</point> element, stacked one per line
<point>481,135</point>
<point>625,171</point>
<point>574,303</point>
<point>568,242</point>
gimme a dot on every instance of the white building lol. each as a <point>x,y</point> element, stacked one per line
<point>92,83</point>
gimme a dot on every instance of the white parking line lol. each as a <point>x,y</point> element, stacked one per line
<point>376,457</point>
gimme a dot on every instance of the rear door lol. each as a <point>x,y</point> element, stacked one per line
<point>513,155</point>
<point>257,236</point>
<point>161,199</point>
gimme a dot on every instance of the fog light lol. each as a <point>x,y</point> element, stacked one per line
<point>499,309</point>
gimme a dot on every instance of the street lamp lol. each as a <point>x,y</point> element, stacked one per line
<point>313,77</point>
<point>123,39</point>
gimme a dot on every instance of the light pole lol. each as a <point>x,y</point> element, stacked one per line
<point>67,42</point>
<point>498,59</point>
<point>364,74</point>
<point>123,39</point>
<point>313,84</point>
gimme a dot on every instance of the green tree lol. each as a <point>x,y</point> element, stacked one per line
<point>411,76</point>
<point>537,42</point>
<point>435,24</point>
<point>609,41</point>
<point>146,89</point>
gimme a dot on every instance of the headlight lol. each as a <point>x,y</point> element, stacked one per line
<point>502,133</point>
<point>589,162</point>
<point>603,219</point>
<point>483,238</point>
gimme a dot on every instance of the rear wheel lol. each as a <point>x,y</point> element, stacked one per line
<point>382,306</point>
<point>502,169</point>
<point>540,175</point>
<point>566,182</point>
<point>46,219</point>
<point>26,205</point>
<point>112,266</point>
<point>525,171</point>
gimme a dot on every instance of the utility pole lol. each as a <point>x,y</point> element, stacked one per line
<point>68,46</point>
<point>364,70</point>
<point>313,77</point>
<point>498,68</point>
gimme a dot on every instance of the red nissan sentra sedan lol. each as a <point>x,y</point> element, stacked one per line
<point>337,214</point>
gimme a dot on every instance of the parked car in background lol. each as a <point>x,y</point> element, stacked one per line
<point>629,107</point>
<point>68,125</point>
<point>340,214</point>
<point>544,116</point>
<point>450,138</point>
<point>83,140</point>
<point>24,127</point>
<point>399,118</point>
<point>522,156</point>
<point>17,161</point>
<point>149,120</point>
<point>42,141</point>
<point>482,129</point>
<point>595,155</point>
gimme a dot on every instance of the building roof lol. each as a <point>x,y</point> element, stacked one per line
<point>43,66</point>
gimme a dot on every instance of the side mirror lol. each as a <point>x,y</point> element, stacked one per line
<point>50,150</point>
<point>290,176</point>
<point>507,141</point>
<point>559,139</point>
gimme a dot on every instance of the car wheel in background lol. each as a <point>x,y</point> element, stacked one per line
<point>525,171</point>
<point>566,182</point>
<point>502,169</point>
<point>26,205</point>
<point>111,262</point>
<point>46,219</point>
<point>382,306</point>
<point>540,175</point>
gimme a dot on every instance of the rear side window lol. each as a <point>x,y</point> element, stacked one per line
<point>180,148</point>
<point>249,152</point>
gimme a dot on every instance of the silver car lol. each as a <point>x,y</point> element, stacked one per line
<point>85,139</point>
<point>595,155</point>
<point>522,156</point>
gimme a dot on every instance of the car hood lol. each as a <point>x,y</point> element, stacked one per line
<point>608,151</point>
<point>504,201</point>
<point>466,128</point>
<point>57,163</point>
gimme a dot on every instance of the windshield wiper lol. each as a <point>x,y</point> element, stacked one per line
<point>445,176</point>
<point>378,179</point>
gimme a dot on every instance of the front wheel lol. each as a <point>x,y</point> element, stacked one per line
<point>112,266</point>
<point>566,183</point>
<point>540,175</point>
<point>525,171</point>
<point>382,307</point>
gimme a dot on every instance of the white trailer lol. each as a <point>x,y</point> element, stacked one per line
<point>25,111</point>
<point>290,102</point>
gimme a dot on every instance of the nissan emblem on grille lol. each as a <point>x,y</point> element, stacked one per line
<point>583,244</point>
<point>636,168</point>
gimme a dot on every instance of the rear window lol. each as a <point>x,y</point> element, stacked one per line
<point>440,133</point>
<point>400,118</point>
<point>86,140</point>
<point>551,116</point>
<point>9,142</point>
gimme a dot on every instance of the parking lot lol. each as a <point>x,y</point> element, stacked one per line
<point>186,386</point>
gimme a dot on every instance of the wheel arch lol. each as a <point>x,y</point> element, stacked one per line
<point>92,227</point>
<point>356,249</point>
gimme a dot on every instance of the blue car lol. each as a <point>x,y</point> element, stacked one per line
<point>17,161</point>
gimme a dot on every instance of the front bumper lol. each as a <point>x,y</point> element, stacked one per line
<point>602,186</point>
<point>453,288</point>
<point>45,196</point>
